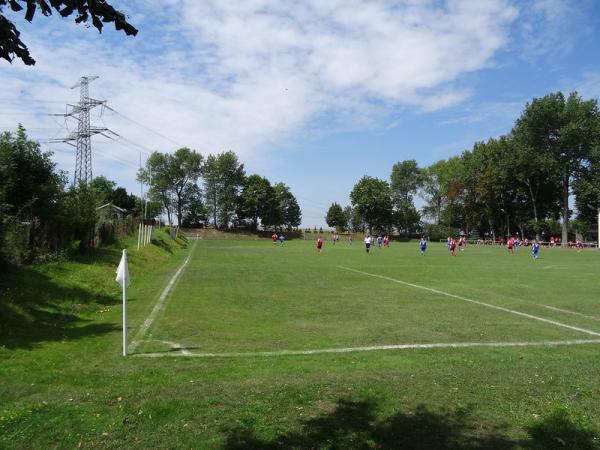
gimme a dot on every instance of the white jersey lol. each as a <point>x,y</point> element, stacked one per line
<point>368,240</point>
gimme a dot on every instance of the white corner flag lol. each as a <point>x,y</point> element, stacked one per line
<point>123,280</point>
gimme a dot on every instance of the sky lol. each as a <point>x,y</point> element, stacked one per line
<point>315,94</point>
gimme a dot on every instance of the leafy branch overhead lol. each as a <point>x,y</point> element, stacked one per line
<point>98,11</point>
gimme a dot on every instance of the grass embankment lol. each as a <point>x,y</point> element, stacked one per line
<point>68,388</point>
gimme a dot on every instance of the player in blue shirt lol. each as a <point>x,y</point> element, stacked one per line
<point>535,248</point>
<point>379,241</point>
<point>281,239</point>
<point>423,245</point>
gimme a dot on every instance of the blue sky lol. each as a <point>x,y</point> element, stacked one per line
<point>315,94</point>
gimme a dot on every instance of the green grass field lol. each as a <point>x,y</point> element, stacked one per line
<point>257,346</point>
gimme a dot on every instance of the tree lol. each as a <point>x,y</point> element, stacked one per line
<point>565,130</point>
<point>31,193</point>
<point>122,199</point>
<point>336,218</point>
<point>406,179</point>
<point>287,210</point>
<point>257,201</point>
<point>98,11</point>
<point>194,214</point>
<point>104,187</point>
<point>587,192</point>
<point>293,213</point>
<point>439,185</point>
<point>372,200</point>
<point>223,177</point>
<point>157,174</point>
<point>184,168</point>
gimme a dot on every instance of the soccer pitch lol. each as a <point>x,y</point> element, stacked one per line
<point>247,299</point>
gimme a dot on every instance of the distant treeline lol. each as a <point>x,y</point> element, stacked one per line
<point>216,191</point>
<point>519,183</point>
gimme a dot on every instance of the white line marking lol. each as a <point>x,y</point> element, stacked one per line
<point>554,308</point>
<point>177,347</point>
<point>372,348</point>
<point>500,308</point>
<point>159,304</point>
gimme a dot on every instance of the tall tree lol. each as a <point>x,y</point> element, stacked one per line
<point>185,167</point>
<point>566,130</point>
<point>157,174</point>
<point>223,178</point>
<point>194,213</point>
<point>122,199</point>
<point>104,187</point>
<point>336,218</point>
<point>587,191</point>
<point>211,176</point>
<point>372,199</point>
<point>405,181</point>
<point>440,188</point>
<point>231,179</point>
<point>288,210</point>
<point>257,201</point>
<point>98,11</point>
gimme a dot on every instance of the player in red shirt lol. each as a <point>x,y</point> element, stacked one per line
<point>510,245</point>
<point>274,237</point>
<point>579,245</point>
<point>461,243</point>
<point>319,244</point>
<point>452,247</point>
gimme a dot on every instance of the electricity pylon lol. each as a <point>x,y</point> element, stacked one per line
<point>83,136</point>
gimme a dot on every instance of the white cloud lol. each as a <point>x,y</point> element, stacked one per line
<point>224,74</point>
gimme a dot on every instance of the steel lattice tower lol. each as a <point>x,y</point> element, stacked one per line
<point>83,136</point>
<point>83,155</point>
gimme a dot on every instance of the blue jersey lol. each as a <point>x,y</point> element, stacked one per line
<point>535,248</point>
<point>423,244</point>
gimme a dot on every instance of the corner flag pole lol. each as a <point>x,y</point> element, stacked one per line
<point>123,280</point>
<point>125,309</point>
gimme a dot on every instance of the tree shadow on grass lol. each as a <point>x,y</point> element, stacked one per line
<point>559,431</point>
<point>355,425</point>
<point>34,309</point>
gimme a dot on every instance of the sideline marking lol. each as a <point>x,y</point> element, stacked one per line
<point>159,304</point>
<point>500,308</point>
<point>370,349</point>
<point>554,308</point>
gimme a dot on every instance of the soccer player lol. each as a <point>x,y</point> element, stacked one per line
<point>333,239</point>
<point>319,244</point>
<point>423,245</point>
<point>281,239</point>
<point>535,248</point>
<point>379,241</point>
<point>578,245</point>
<point>461,243</point>
<point>274,237</point>
<point>448,242</point>
<point>350,239</point>
<point>368,243</point>
<point>510,244</point>
<point>517,243</point>
<point>452,247</point>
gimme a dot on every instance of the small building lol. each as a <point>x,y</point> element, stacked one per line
<point>110,211</point>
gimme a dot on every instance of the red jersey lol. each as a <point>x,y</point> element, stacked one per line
<point>510,243</point>
<point>452,244</point>
<point>319,243</point>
